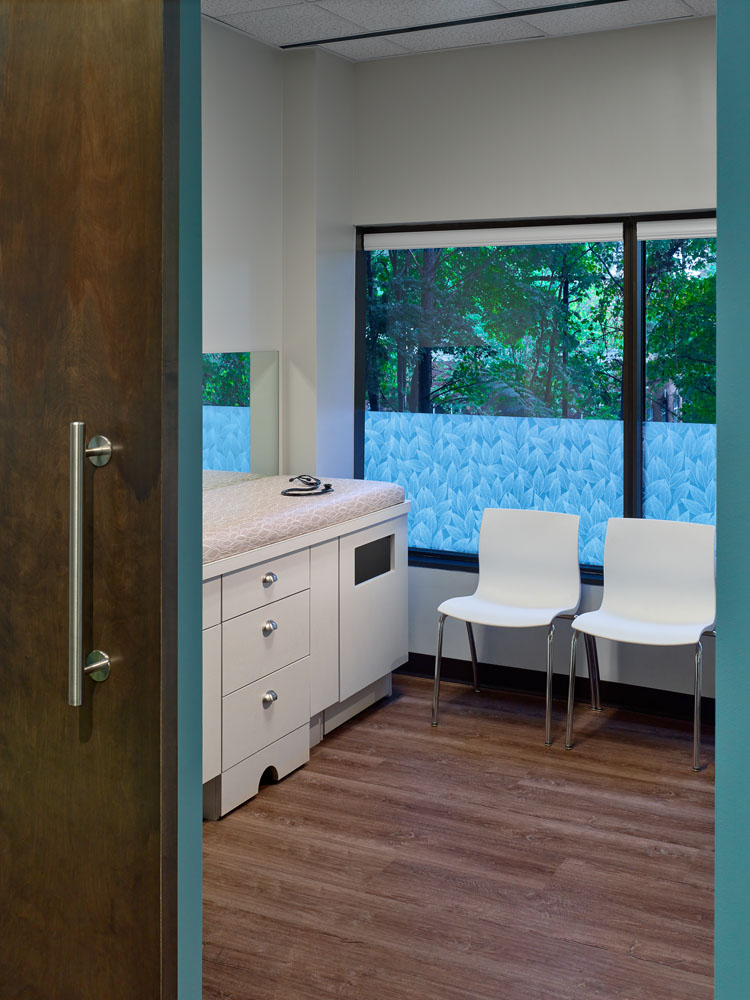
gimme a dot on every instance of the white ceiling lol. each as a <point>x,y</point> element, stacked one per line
<point>288,22</point>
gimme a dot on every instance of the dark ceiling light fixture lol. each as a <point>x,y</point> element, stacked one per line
<point>506,15</point>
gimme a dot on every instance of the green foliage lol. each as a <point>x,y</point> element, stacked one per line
<point>534,330</point>
<point>681,326</point>
<point>526,330</point>
<point>226,379</point>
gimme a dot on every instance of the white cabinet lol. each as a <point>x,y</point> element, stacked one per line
<point>307,629</point>
<point>373,605</point>
<point>211,702</point>
<point>324,625</point>
<point>211,602</point>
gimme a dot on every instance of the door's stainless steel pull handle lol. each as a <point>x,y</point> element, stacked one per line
<point>269,627</point>
<point>269,579</point>
<point>269,698</point>
<point>99,452</point>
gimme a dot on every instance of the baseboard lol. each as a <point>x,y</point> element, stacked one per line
<point>342,711</point>
<point>649,701</point>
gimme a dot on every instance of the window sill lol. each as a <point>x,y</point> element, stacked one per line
<point>465,562</point>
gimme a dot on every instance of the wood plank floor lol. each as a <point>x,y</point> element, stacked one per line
<point>469,861</point>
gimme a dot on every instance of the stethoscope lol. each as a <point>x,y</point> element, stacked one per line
<point>311,487</point>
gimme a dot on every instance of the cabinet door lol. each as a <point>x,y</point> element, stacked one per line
<point>324,625</point>
<point>211,602</point>
<point>211,702</point>
<point>373,599</point>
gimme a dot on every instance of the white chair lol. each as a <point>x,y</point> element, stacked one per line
<point>659,590</point>
<point>528,575</point>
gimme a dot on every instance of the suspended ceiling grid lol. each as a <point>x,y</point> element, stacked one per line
<point>330,23</point>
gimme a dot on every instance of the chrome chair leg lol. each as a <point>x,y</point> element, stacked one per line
<point>592,658</point>
<point>548,704</point>
<point>438,658</point>
<point>697,707</point>
<point>473,649</point>
<point>571,692</point>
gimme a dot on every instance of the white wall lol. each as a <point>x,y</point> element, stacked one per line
<point>242,191</point>
<point>608,122</point>
<point>335,260</point>
<point>278,244</point>
<point>298,363</point>
<point>318,358</point>
<point>668,668</point>
<point>603,123</point>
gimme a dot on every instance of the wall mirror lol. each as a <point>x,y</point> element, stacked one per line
<point>241,412</point>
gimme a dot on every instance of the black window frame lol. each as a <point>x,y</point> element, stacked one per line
<point>633,353</point>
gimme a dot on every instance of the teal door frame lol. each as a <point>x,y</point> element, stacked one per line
<point>732,974</point>
<point>189,647</point>
<point>732,924</point>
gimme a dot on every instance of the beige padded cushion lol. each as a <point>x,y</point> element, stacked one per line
<point>239,516</point>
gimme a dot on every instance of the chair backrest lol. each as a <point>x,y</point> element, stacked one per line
<point>660,571</point>
<point>529,558</point>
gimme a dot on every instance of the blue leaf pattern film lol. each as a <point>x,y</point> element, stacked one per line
<point>226,438</point>
<point>679,472</point>
<point>453,466</point>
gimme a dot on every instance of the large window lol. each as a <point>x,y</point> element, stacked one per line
<point>505,367</point>
<point>679,430</point>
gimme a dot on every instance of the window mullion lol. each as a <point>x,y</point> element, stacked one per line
<point>360,361</point>
<point>633,374</point>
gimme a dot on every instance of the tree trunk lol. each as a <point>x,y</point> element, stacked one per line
<point>401,378</point>
<point>398,275</point>
<point>425,380</point>
<point>566,316</point>
<point>423,371</point>
<point>372,336</point>
<point>557,331</point>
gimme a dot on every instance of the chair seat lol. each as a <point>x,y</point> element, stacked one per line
<point>481,612</point>
<point>605,625</point>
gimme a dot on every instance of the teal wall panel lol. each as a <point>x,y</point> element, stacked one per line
<point>732,976</point>
<point>190,688</point>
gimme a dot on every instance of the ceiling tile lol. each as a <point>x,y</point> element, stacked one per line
<point>221,8</point>
<point>702,6</point>
<point>462,35</point>
<point>521,5</point>
<point>515,5</point>
<point>300,22</point>
<point>525,5</point>
<point>366,48</point>
<point>611,15</point>
<point>379,15</point>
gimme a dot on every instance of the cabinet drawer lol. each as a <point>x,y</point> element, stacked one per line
<point>255,586</point>
<point>211,602</point>
<point>249,653</point>
<point>250,724</point>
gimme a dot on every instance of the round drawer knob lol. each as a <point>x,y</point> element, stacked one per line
<point>269,579</point>
<point>269,698</point>
<point>269,627</point>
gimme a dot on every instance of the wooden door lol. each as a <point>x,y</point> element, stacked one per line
<point>88,332</point>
